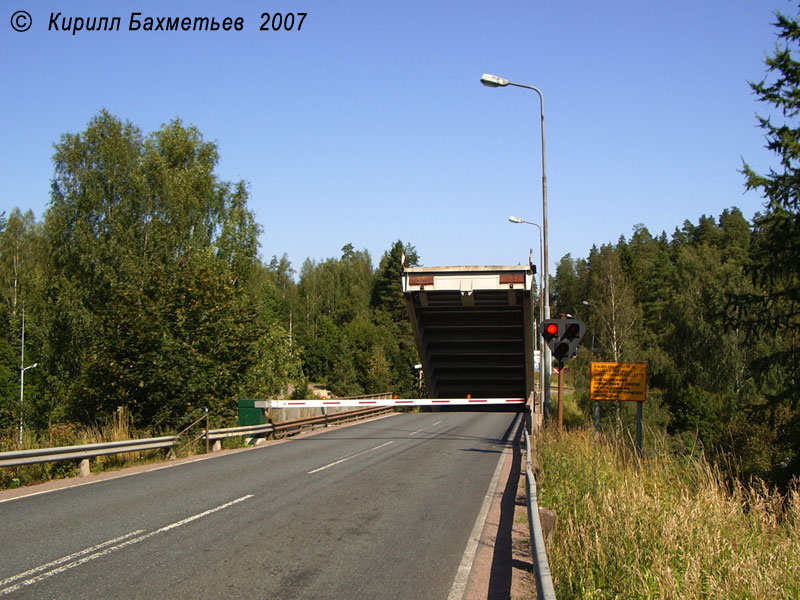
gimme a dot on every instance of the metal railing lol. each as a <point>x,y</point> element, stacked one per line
<point>245,430</point>
<point>85,452</point>
<point>40,455</point>
<point>293,427</point>
<point>381,396</point>
<point>544,580</point>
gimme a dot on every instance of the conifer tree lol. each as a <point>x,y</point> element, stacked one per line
<point>776,240</point>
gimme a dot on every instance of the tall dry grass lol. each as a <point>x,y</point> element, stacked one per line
<point>119,428</point>
<point>662,526</point>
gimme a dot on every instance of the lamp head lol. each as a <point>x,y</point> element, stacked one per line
<point>493,80</point>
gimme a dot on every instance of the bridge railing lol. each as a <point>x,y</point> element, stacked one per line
<point>544,580</point>
<point>40,455</point>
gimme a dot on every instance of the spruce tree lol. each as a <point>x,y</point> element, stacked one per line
<point>776,240</point>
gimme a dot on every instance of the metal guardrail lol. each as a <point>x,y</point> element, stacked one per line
<point>544,580</point>
<point>292,427</point>
<point>40,455</point>
<point>228,432</point>
<point>84,452</point>
<point>381,396</point>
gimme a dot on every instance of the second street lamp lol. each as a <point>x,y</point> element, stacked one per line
<point>548,409</point>
<point>495,81</point>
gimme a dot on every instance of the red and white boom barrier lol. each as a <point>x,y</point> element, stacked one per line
<point>393,402</point>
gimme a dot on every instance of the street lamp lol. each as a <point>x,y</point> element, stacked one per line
<point>518,220</point>
<point>495,81</point>
<point>22,369</point>
<point>21,388</point>
<point>542,345</point>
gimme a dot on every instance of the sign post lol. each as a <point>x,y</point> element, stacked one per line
<point>561,396</point>
<point>619,382</point>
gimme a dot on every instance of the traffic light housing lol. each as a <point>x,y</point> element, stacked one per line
<point>562,336</point>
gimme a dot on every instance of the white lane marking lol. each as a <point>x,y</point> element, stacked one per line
<point>346,458</point>
<point>104,549</point>
<point>424,428</point>
<point>67,558</point>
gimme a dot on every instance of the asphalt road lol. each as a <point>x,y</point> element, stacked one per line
<point>383,509</point>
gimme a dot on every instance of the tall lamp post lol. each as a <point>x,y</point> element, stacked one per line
<point>495,81</point>
<point>542,345</point>
<point>21,387</point>
<point>22,370</point>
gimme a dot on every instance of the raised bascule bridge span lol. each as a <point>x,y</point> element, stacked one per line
<point>473,329</point>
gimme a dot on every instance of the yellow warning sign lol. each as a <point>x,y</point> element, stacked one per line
<point>618,381</point>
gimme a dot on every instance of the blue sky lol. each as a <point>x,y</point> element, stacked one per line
<point>370,124</point>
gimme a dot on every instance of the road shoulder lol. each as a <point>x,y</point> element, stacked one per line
<point>503,566</point>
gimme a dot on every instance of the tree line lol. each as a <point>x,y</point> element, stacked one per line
<point>686,304</point>
<point>714,309</point>
<point>142,288</point>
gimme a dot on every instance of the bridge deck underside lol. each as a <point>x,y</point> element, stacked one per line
<point>474,346</point>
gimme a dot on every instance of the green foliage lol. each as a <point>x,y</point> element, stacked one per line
<point>353,324</point>
<point>676,306</point>
<point>612,310</point>
<point>387,294</point>
<point>568,287</point>
<point>772,316</point>
<point>277,363</point>
<point>20,277</point>
<point>149,259</point>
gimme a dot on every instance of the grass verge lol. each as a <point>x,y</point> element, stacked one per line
<point>662,526</point>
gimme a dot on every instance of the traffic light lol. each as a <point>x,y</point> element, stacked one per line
<point>562,336</point>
